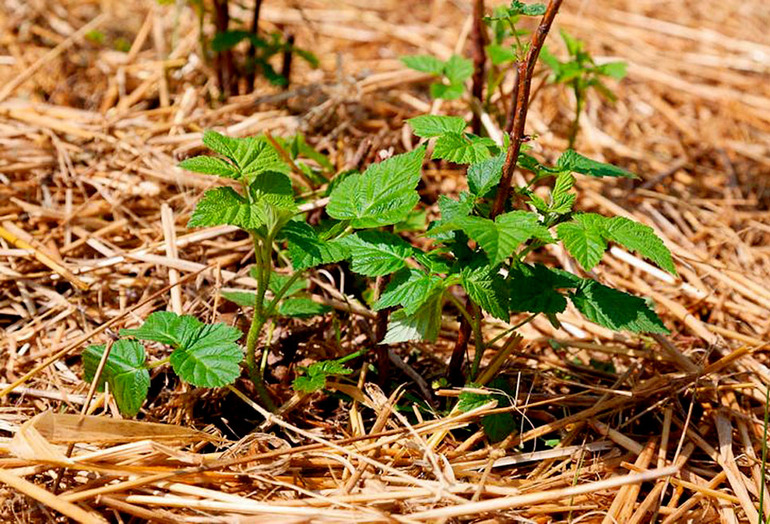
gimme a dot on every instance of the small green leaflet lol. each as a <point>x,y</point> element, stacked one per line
<point>496,426</point>
<point>408,288</point>
<point>424,63</point>
<point>210,357</point>
<point>273,188</point>
<point>210,165</point>
<point>306,249</point>
<point>165,327</point>
<point>315,376</point>
<point>414,221</point>
<point>561,198</point>
<point>463,148</point>
<point>519,8</point>
<point>204,354</point>
<point>242,298</point>
<point>451,210</point>
<point>584,238</point>
<point>423,324</point>
<point>377,253</point>
<point>384,194</point>
<point>501,54</point>
<point>615,309</point>
<point>484,176</point>
<point>248,156</point>
<point>458,69</point>
<point>124,371</point>
<point>301,307</point>
<point>223,205</point>
<point>426,126</point>
<point>575,162</point>
<point>447,92</point>
<point>587,235</point>
<point>500,238</point>
<point>641,239</point>
<point>279,280</point>
<point>487,289</point>
<point>616,70</point>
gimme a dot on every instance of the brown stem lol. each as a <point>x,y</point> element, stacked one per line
<point>478,37</point>
<point>224,59</point>
<point>521,105</point>
<point>287,57</point>
<point>515,128</point>
<point>251,54</point>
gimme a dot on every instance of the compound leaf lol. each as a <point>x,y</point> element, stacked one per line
<point>316,374</point>
<point>615,309</point>
<point>384,194</point>
<point>165,327</point>
<point>125,372</point>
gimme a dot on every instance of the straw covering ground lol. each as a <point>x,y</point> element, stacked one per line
<point>99,101</point>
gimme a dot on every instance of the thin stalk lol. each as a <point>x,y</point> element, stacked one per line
<point>575,128</point>
<point>251,54</point>
<point>764,460</point>
<point>158,363</point>
<point>478,37</point>
<point>478,341</point>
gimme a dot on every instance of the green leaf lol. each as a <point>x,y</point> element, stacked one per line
<point>209,357</point>
<point>306,249</point>
<point>572,161</point>
<point>500,238</point>
<point>561,198</point>
<point>219,143</point>
<point>165,327</point>
<point>458,69</point>
<point>377,253</point>
<point>426,126</point>
<point>584,238</point>
<point>470,400</point>
<point>424,63</point>
<point>615,309</point>
<point>225,40</point>
<point>641,239</point>
<point>408,288</point>
<point>242,298</point>
<point>278,280</point>
<point>316,374</point>
<point>124,371</point>
<point>527,9</point>
<point>210,165</point>
<point>423,324</point>
<point>487,289</point>
<point>461,148</point>
<point>274,188</point>
<point>301,307</point>
<point>414,221</point>
<point>498,426</point>
<point>484,176</point>
<point>223,205</point>
<point>616,70</point>
<point>384,194</point>
<point>534,288</point>
<point>447,91</point>
<point>501,54</point>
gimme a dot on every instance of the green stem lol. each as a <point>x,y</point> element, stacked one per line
<point>478,341</point>
<point>262,252</point>
<point>464,312</point>
<point>764,461</point>
<point>158,363</point>
<point>576,123</point>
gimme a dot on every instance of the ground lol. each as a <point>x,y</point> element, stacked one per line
<point>100,100</point>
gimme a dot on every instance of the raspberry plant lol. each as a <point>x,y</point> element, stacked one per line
<point>482,244</point>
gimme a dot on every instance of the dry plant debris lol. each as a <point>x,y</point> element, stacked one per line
<point>612,428</point>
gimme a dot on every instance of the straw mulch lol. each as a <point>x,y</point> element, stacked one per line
<point>612,428</point>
